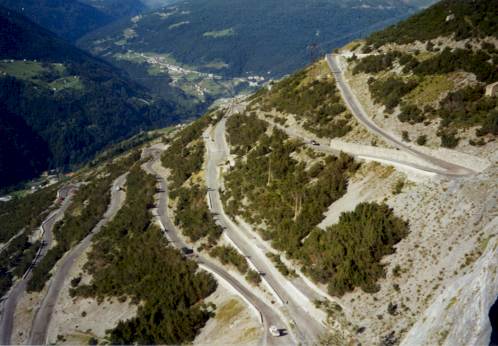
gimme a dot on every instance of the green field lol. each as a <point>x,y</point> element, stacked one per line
<point>22,69</point>
<point>222,33</point>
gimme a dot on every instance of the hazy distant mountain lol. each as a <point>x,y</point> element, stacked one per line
<point>235,39</point>
<point>158,3</point>
<point>73,18</point>
<point>117,8</point>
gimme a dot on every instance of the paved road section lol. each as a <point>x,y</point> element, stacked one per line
<point>322,146</point>
<point>43,316</point>
<point>10,302</point>
<point>447,168</point>
<point>268,314</point>
<point>307,320</point>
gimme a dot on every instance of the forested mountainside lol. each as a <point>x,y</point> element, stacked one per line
<point>214,48</point>
<point>351,202</point>
<point>71,19</point>
<point>401,233</point>
<point>60,105</point>
<point>432,72</point>
<point>118,8</point>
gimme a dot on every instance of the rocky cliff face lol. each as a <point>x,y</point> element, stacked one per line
<point>460,314</point>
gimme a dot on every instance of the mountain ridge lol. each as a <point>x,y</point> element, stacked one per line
<point>74,101</point>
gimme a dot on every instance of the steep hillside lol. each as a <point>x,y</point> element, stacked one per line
<point>351,202</point>
<point>65,104</point>
<point>431,73</point>
<point>118,8</point>
<point>72,19</point>
<point>413,97</point>
<point>216,48</point>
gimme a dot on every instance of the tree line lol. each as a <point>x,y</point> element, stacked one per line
<point>131,259</point>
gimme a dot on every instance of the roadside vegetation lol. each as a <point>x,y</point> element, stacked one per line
<point>471,19</point>
<point>18,219</point>
<point>228,255</point>
<point>285,198</point>
<point>348,254</point>
<point>193,216</point>
<point>269,186</point>
<point>390,91</point>
<point>458,109</point>
<point>25,212</point>
<point>243,131</point>
<point>131,259</point>
<point>86,210</point>
<point>184,158</point>
<point>314,101</point>
<point>282,268</point>
<point>186,153</point>
<point>15,260</point>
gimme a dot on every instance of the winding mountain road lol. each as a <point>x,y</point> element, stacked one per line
<point>10,303</point>
<point>295,303</point>
<point>446,168</point>
<point>267,313</point>
<point>41,321</point>
<point>323,147</point>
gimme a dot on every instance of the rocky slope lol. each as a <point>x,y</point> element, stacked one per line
<point>380,246</point>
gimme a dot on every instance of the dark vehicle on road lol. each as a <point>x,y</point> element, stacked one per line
<point>187,251</point>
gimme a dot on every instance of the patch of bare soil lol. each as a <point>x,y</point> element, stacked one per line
<point>76,320</point>
<point>23,317</point>
<point>233,324</point>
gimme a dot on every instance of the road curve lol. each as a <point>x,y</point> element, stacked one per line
<point>268,315</point>
<point>447,168</point>
<point>325,148</point>
<point>43,316</point>
<point>10,303</point>
<point>306,318</point>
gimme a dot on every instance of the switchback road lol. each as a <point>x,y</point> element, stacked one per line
<point>447,168</point>
<point>43,316</point>
<point>296,304</point>
<point>267,313</point>
<point>10,303</point>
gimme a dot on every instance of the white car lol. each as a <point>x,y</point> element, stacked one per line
<point>274,331</point>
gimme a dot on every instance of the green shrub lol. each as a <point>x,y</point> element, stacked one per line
<point>390,91</point>
<point>193,215</point>
<point>422,140</point>
<point>317,102</point>
<point>376,63</point>
<point>398,187</point>
<point>282,268</point>
<point>448,139</point>
<point>244,130</point>
<point>459,59</point>
<point>228,255</point>
<point>253,277</point>
<point>86,210</point>
<point>348,254</point>
<point>411,113</point>
<point>185,155</point>
<point>405,136</point>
